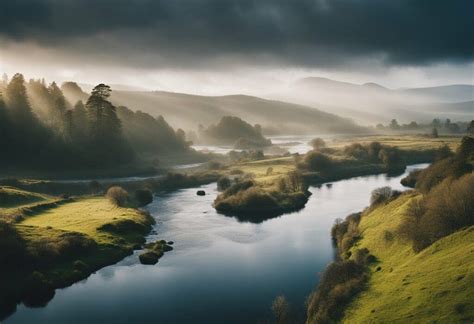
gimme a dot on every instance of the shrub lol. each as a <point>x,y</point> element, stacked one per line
<point>373,151</point>
<point>357,151</point>
<point>382,195</point>
<point>443,152</point>
<point>390,157</point>
<point>292,182</point>
<point>363,257</point>
<point>340,282</point>
<point>117,196</point>
<point>317,143</point>
<point>223,183</point>
<point>346,232</point>
<point>316,161</point>
<point>269,171</point>
<point>447,208</point>
<point>143,197</point>
<point>280,309</point>
<point>411,179</point>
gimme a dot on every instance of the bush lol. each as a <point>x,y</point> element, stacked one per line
<point>317,143</point>
<point>443,152</point>
<point>357,151</point>
<point>340,282</point>
<point>223,183</point>
<point>391,157</point>
<point>445,209</point>
<point>280,309</point>
<point>411,179</point>
<point>382,195</point>
<point>346,232</point>
<point>117,196</point>
<point>373,151</point>
<point>316,161</point>
<point>143,197</point>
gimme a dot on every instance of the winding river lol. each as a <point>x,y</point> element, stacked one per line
<point>221,270</point>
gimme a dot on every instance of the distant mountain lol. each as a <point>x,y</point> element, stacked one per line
<point>373,103</point>
<point>448,93</point>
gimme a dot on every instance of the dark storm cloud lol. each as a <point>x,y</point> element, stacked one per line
<point>293,32</point>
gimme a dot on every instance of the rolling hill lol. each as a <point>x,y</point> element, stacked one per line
<point>189,111</point>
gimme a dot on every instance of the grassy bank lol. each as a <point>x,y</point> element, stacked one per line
<point>408,257</point>
<point>433,285</point>
<point>53,247</point>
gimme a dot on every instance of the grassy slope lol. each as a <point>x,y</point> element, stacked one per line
<point>422,287</point>
<point>14,202</point>
<point>86,216</point>
<point>12,197</point>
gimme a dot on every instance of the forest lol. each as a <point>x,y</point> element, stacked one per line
<point>36,120</point>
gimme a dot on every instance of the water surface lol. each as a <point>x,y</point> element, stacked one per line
<point>221,270</point>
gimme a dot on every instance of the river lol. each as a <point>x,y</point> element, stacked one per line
<point>221,270</point>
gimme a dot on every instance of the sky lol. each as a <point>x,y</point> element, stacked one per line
<point>238,46</point>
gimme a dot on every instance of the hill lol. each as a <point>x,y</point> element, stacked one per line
<point>188,111</point>
<point>433,285</point>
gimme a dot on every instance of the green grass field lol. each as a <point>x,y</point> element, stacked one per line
<point>435,285</point>
<point>280,167</point>
<point>86,216</point>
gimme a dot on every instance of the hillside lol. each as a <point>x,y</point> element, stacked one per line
<point>436,284</point>
<point>188,111</point>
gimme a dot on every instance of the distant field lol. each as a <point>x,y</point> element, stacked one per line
<point>435,285</point>
<point>411,142</point>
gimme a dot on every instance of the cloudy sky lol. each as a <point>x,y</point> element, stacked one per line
<point>224,46</point>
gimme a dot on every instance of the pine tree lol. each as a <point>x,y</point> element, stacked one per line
<point>58,108</point>
<point>17,102</point>
<point>105,129</point>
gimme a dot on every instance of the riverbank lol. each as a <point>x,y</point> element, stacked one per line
<point>270,187</point>
<point>408,256</point>
<point>56,245</point>
<point>388,281</point>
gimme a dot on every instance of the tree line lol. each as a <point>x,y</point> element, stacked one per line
<point>435,127</point>
<point>40,128</point>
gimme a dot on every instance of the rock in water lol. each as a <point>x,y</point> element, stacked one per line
<point>201,193</point>
<point>149,257</point>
